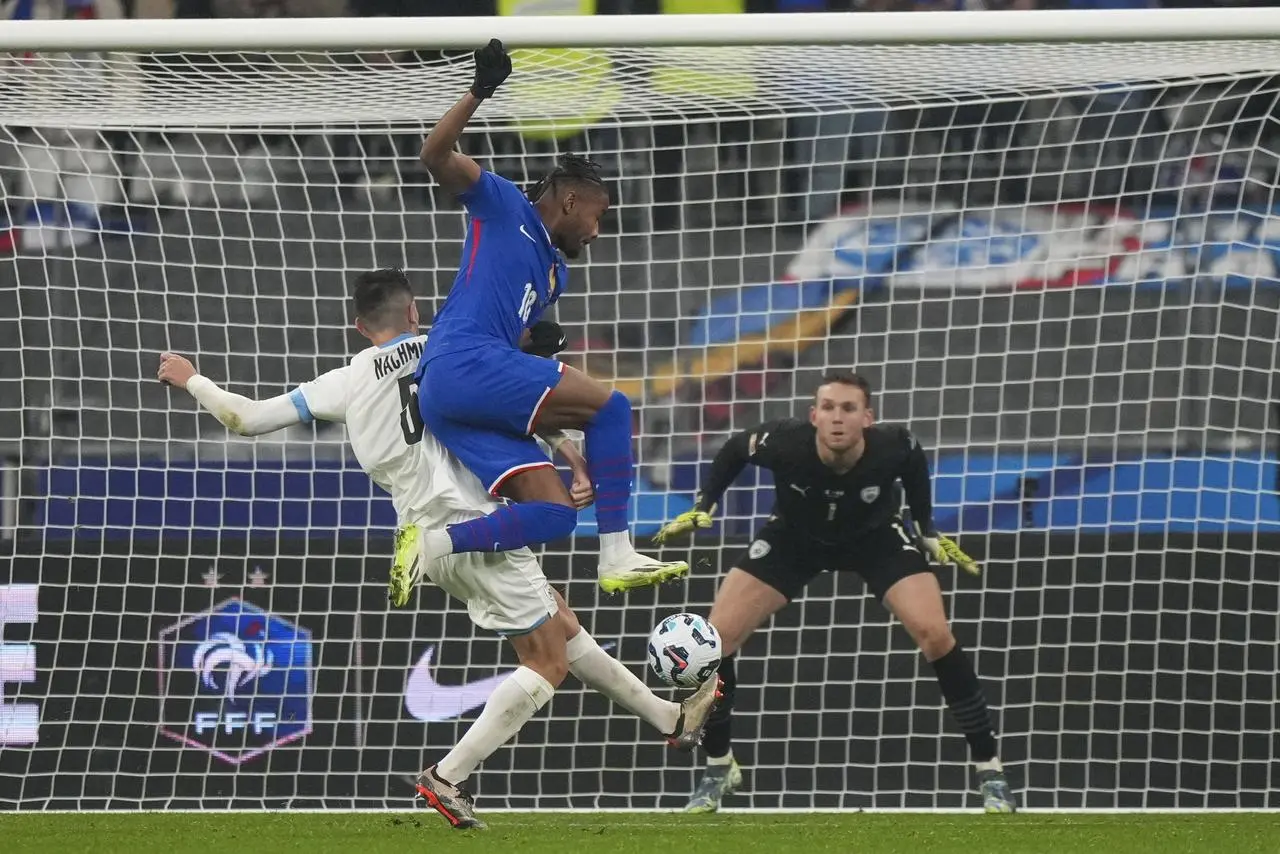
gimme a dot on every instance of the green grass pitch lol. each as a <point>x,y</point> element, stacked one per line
<point>639,833</point>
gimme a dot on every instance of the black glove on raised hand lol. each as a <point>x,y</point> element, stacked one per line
<point>493,65</point>
<point>546,338</point>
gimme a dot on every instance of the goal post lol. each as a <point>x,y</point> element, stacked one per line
<point>1049,239</point>
<point>649,31</point>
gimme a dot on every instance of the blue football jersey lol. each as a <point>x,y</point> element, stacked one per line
<point>510,272</point>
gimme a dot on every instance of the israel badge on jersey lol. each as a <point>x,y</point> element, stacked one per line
<point>870,494</point>
<point>758,549</point>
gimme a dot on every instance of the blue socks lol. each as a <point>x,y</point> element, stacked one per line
<point>610,463</point>
<point>514,526</point>
<point>609,460</point>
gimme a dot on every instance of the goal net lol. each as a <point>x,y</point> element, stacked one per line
<point>1049,240</point>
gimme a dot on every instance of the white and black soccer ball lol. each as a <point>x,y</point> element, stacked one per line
<point>684,650</point>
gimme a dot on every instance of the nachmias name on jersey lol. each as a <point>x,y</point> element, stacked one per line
<point>817,501</point>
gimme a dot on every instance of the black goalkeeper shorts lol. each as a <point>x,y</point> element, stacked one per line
<point>787,562</point>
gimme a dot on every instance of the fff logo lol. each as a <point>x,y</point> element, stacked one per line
<point>235,680</point>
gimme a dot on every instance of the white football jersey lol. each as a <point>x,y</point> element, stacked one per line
<point>377,398</point>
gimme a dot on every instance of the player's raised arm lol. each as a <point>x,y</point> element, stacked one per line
<point>237,413</point>
<point>455,171</point>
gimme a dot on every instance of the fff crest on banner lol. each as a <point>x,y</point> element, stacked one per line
<point>235,680</point>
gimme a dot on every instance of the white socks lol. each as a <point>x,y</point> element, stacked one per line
<point>720,760</point>
<point>613,547</point>
<point>436,544</point>
<point>992,765</point>
<point>524,692</point>
<point>601,672</point>
<point>516,700</point>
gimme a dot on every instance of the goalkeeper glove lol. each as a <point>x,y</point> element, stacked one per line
<point>944,550</point>
<point>546,338</point>
<point>492,67</point>
<point>685,522</point>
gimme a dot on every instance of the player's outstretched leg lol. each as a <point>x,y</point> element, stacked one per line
<point>681,723</point>
<point>722,776</point>
<point>916,600</point>
<point>604,416</point>
<point>501,585</point>
<point>505,529</point>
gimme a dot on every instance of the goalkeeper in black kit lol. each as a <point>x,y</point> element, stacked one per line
<point>836,476</point>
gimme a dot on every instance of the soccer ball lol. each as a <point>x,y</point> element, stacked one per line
<point>684,650</point>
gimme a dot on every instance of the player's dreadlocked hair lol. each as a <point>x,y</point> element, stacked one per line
<point>572,168</point>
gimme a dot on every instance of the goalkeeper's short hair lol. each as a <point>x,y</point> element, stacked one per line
<point>844,376</point>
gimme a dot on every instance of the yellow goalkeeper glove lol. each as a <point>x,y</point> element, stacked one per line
<point>682,524</point>
<point>944,550</point>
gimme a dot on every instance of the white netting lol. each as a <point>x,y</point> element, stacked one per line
<point>1057,263</point>
<point>346,89</point>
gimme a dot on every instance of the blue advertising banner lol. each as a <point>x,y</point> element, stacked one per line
<point>978,491</point>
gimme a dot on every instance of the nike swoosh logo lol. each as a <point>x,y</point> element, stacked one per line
<point>430,702</point>
<point>527,234</point>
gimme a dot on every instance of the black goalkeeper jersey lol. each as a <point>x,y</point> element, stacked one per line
<point>813,500</point>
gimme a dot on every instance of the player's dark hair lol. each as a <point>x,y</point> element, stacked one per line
<point>572,169</point>
<point>843,376</point>
<point>380,296</point>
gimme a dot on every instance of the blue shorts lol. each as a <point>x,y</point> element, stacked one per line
<point>482,404</point>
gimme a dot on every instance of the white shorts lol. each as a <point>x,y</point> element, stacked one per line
<point>505,592</point>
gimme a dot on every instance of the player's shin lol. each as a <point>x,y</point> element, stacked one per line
<point>601,672</point>
<point>609,461</point>
<point>717,736</point>
<point>508,528</point>
<point>512,703</point>
<point>722,775</point>
<point>963,693</point>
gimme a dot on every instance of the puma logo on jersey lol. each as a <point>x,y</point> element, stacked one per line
<point>803,490</point>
